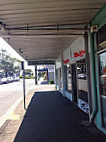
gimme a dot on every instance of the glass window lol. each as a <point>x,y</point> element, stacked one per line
<point>102,75</point>
<point>82,80</point>
<point>60,78</point>
<point>102,38</point>
<point>102,70</point>
<point>61,83</point>
<point>102,62</point>
<point>69,84</point>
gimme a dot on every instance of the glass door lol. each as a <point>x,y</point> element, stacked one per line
<point>74,83</point>
<point>82,86</point>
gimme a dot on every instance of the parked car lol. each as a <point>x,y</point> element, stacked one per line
<point>4,80</point>
<point>82,76</point>
<point>9,79</point>
<point>1,81</point>
<point>16,78</point>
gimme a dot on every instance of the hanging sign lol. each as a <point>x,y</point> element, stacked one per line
<point>79,53</point>
<point>66,61</point>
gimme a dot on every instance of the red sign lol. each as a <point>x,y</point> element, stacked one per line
<point>79,54</point>
<point>66,61</point>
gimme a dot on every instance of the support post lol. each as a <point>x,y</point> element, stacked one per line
<point>35,74</point>
<point>22,66</point>
<point>88,73</point>
<point>24,89</point>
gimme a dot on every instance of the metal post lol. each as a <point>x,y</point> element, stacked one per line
<point>36,75</point>
<point>22,66</point>
<point>24,89</point>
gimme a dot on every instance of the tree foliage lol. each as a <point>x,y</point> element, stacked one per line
<point>28,72</point>
<point>8,64</point>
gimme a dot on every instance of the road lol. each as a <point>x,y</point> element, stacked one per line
<point>10,93</point>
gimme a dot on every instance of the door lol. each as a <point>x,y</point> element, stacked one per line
<point>74,83</point>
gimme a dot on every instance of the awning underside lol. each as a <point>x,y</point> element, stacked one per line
<point>43,29</point>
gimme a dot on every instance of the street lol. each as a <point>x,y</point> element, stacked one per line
<point>10,93</point>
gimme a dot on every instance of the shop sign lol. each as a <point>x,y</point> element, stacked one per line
<point>66,61</point>
<point>81,53</point>
<point>83,105</point>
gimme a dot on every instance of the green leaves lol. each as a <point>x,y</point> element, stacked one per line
<point>7,63</point>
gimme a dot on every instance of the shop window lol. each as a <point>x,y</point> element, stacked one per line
<point>60,78</point>
<point>82,80</point>
<point>69,79</point>
<point>102,70</point>
<point>61,83</point>
<point>102,39</point>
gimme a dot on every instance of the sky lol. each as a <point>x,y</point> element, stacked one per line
<point>13,53</point>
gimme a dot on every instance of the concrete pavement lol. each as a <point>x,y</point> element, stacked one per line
<point>10,96</point>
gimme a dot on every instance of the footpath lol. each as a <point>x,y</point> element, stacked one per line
<point>49,118</point>
<point>11,126</point>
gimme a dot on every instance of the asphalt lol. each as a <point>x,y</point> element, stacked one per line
<point>53,118</point>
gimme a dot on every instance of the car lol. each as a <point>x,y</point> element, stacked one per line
<point>9,79</point>
<point>16,78</point>
<point>82,76</point>
<point>4,80</point>
<point>1,81</point>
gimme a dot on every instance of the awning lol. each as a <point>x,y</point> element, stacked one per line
<point>43,29</point>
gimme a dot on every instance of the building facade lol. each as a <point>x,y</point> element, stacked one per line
<point>81,71</point>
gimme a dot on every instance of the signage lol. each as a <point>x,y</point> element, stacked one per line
<point>66,61</point>
<point>81,53</point>
<point>83,105</point>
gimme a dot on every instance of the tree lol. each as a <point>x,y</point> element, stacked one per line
<point>8,64</point>
<point>28,72</point>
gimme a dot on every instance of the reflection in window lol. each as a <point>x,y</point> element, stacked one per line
<point>69,85</point>
<point>102,74</point>
<point>82,80</point>
<point>102,70</point>
<point>102,38</point>
<point>59,81</point>
<point>102,60</point>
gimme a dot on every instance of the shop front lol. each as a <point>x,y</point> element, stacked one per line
<point>101,53</point>
<point>98,47</point>
<point>77,87</point>
<point>59,74</point>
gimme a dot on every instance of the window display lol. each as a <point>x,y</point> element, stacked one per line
<point>82,80</point>
<point>82,86</point>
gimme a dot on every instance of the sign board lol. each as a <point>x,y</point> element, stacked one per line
<point>66,56</point>
<point>75,51</point>
<point>41,62</point>
<point>78,49</point>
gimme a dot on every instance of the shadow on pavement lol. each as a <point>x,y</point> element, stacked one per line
<point>52,118</point>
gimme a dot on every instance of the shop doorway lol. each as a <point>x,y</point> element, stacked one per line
<point>74,83</point>
<point>82,85</point>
